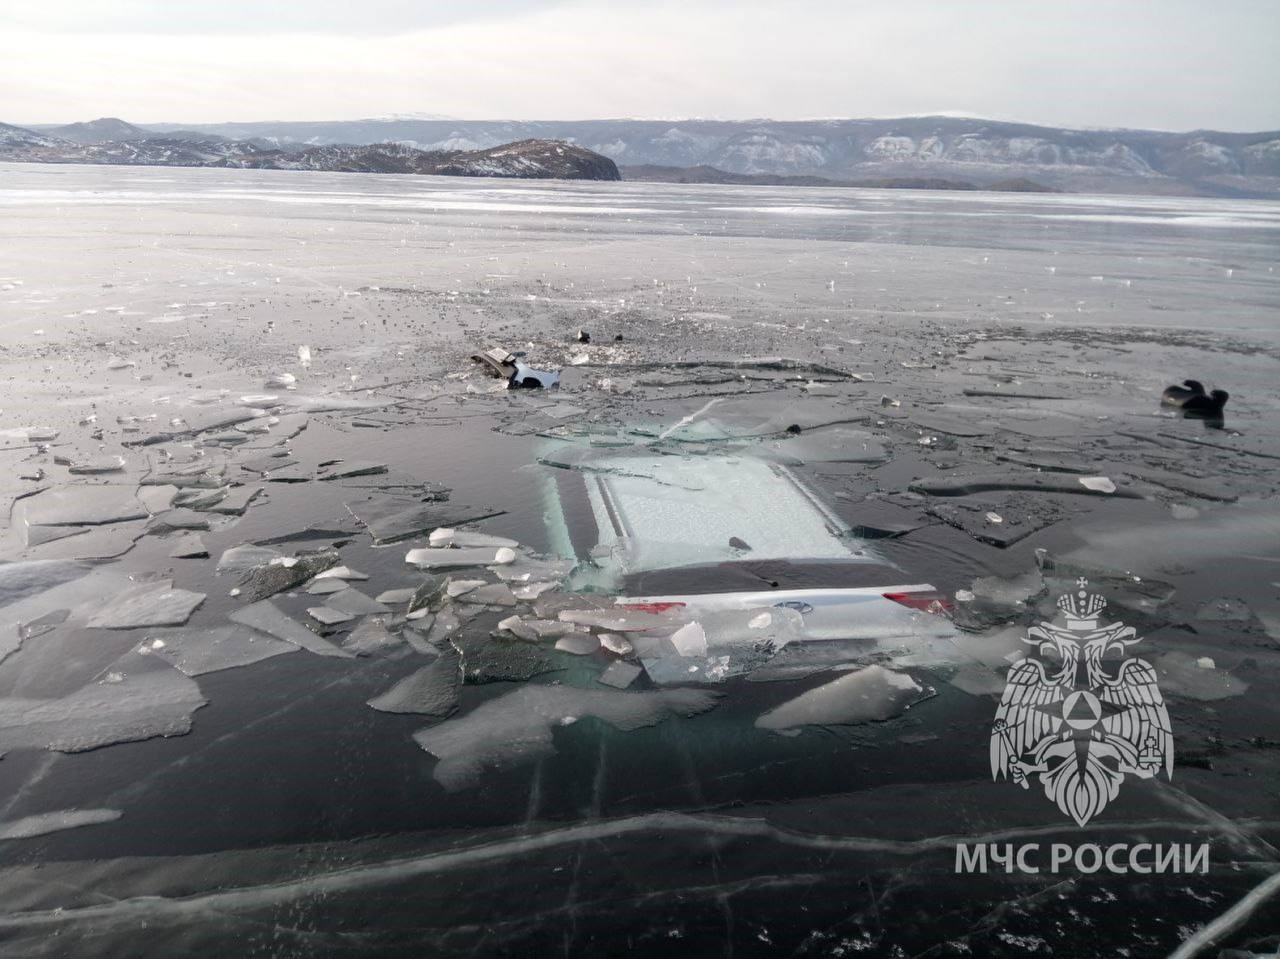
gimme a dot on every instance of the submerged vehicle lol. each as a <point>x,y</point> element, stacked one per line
<point>740,547</point>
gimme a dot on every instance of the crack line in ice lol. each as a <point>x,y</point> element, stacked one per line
<point>397,870</point>
<point>1230,920</point>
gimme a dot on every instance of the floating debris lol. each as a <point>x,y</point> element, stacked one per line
<point>284,573</point>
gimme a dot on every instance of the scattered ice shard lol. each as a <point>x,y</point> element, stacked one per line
<point>239,558</point>
<point>395,597</point>
<point>44,823</point>
<point>1098,484</point>
<point>578,644</point>
<point>97,464</point>
<point>351,600</point>
<point>135,703</point>
<point>326,616</point>
<point>198,651</point>
<point>446,558</point>
<point>323,587</point>
<point>418,519</point>
<point>346,470</point>
<point>80,505</point>
<point>278,576</point>
<point>432,690</point>
<point>619,619</point>
<point>189,546</point>
<point>619,675</point>
<point>370,636</point>
<point>150,604</point>
<point>490,594</point>
<point>266,617</point>
<point>464,539</point>
<point>304,356</point>
<point>517,727</point>
<point>690,640</point>
<point>341,572</point>
<point>872,693</point>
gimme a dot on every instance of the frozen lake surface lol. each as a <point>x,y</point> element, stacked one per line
<point>234,402</point>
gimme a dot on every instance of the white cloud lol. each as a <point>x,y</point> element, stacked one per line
<point>1173,65</point>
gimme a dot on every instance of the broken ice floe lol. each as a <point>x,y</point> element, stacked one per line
<point>451,558</point>
<point>518,727</point>
<point>432,690</point>
<point>126,705</point>
<point>198,651</point>
<point>266,617</point>
<point>871,693</point>
<point>149,604</point>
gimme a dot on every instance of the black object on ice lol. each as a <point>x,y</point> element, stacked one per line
<point>584,336</point>
<point>1210,405</point>
<point>1178,395</point>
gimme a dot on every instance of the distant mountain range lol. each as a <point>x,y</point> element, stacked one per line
<point>970,152</point>
<point>114,141</point>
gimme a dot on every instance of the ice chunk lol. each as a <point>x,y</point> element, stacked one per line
<point>267,618</point>
<point>235,501</point>
<point>418,519</point>
<point>447,558</point>
<point>97,464</point>
<point>396,597</point>
<point>490,594</point>
<point>460,587</point>
<point>341,572</point>
<point>276,577</point>
<point>328,617</point>
<point>619,675</point>
<point>369,637</point>
<point>198,651</point>
<point>80,505</point>
<point>431,691</point>
<point>189,546</point>
<point>239,558</point>
<point>44,823</point>
<point>1098,484</point>
<point>352,601</point>
<point>872,693</point>
<point>465,539</point>
<point>616,644</point>
<point>150,604</point>
<point>323,587</point>
<point>690,640</point>
<point>517,727</point>
<point>128,705</point>
<point>578,644</point>
<point>346,470</point>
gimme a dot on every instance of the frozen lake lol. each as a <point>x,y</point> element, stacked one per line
<point>488,762</point>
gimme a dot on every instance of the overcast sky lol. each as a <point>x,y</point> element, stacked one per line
<point>1165,64</point>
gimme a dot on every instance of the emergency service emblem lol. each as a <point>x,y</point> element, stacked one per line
<point>1080,713</point>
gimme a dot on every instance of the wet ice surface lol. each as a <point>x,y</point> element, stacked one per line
<point>270,402</point>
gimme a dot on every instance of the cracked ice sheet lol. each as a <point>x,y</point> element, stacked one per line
<point>517,727</point>
<point>137,699</point>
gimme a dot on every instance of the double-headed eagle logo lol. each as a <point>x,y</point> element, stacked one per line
<point>1082,716</point>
